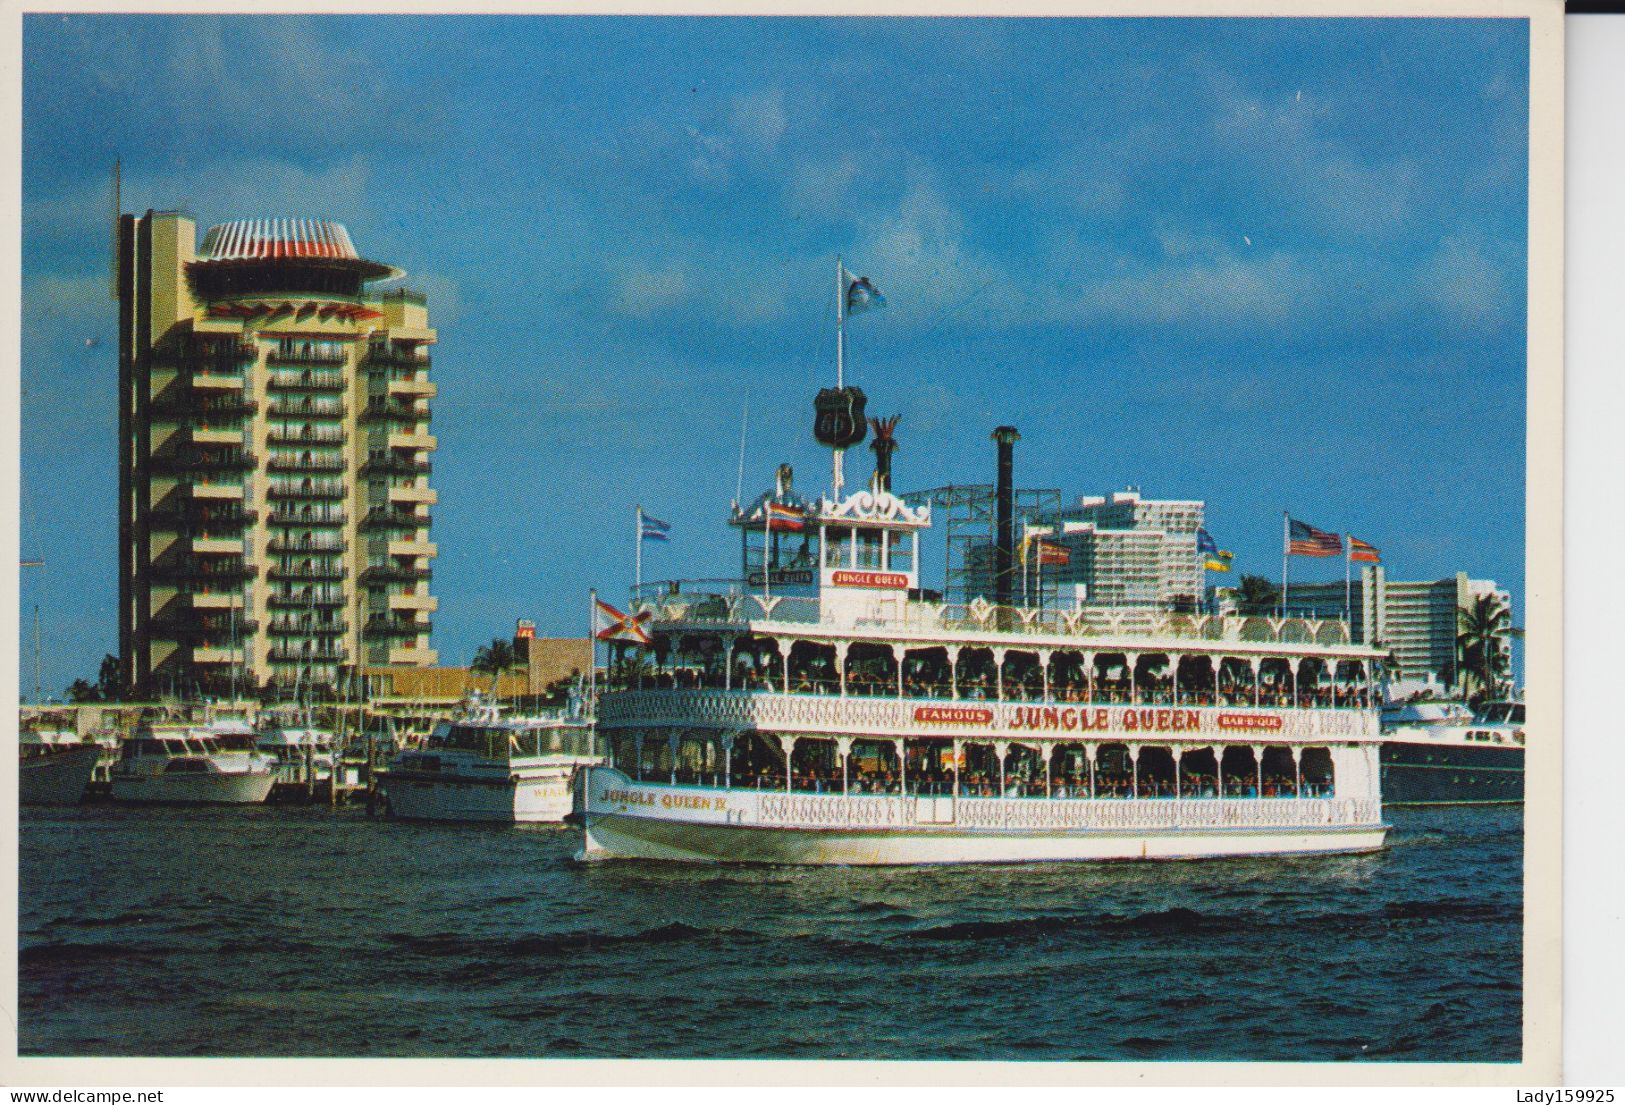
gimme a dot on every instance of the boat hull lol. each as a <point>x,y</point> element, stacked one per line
<point>241,788</point>
<point>525,799</point>
<point>629,820</point>
<point>1433,774</point>
<point>57,778</point>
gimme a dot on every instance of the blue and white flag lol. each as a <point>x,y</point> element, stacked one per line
<point>862,295</point>
<point>653,529</point>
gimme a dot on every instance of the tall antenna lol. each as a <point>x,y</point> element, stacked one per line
<point>118,203</point>
<point>739,487</point>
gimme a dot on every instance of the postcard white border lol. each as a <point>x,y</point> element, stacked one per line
<point>1542,987</point>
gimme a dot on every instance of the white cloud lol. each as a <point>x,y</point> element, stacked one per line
<point>919,252</point>
<point>1464,282</point>
<point>759,117</point>
<point>220,192</point>
<point>65,297</point>
<point>820,188</point>
<point>1208,290</point>
<point>645,292</point>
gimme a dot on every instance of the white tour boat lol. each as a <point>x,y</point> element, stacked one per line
<point>823,709</point>
<point>489,768</point>
<point>216,762</point>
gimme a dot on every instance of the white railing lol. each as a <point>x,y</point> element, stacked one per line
<point>833,715</point>
<point>729,603</point>
<point>870,812</point>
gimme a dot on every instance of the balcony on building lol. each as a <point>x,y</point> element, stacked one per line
<point>386,518</point>
<point>317,352</point>
<point>217,545</point>
<point>307,489</point>
<point>394,573</point>
<point>306,598</point>
<point>181,400</point>
<point>394,410</point>
<point>217,654</point>
<point>414,601</point>
<point>325,573</point>
<point>396,464</point>
<point>305,435</point>
<point>299,654</point>
<point>296,626</point>
<point>309,544</point>
<point>286,514</point>
<point>417,657</point>
<point>180,513</point>
<point>190,570</point>
<point>412,547</point>
<point>412,493</point>
<point>283,461</point>
<point>398,440</point>
<point>192,458</point>
<point>385,625</point>
<point>306,407</point>
<point>412,386</point>
<point>308,380</point>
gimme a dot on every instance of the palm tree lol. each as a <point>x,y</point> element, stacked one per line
<point>1483,630</point>
<point>1257,595</point>
<point>494,659</point>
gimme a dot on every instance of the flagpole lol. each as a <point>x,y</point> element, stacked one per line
<point>840,323</point>
<point>1286,544</point>
<point>592,660</point>
<point>1348,554</point>
<point>637,556</point>
<point>837,476</point>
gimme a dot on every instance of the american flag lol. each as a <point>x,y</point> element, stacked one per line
<point>1305,540</point>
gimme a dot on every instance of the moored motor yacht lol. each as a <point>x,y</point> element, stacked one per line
<point>216,762</point>
<point>492,769</point>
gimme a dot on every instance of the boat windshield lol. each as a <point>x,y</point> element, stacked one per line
<point>234,742</point>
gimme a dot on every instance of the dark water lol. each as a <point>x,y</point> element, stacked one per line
<point>288,932</point>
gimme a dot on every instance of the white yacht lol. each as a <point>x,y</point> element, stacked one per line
<point>216,762</point>
<point>304,753</point>
<point>1442,754</point>
<point>54,767</point>
<point>487,768</point>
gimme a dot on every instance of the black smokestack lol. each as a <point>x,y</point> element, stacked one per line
<point>1004,498</point>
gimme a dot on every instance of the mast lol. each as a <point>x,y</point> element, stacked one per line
<point>837,476</point>
<point>36,656</point>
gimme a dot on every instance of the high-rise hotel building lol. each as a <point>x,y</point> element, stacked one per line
<point>274,499</point>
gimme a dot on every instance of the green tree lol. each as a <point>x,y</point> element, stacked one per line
<point>107,679</point>
<point>82,690</point>
<point>1483,632</point>
<point>1257,595</point>
<point>494,659</point>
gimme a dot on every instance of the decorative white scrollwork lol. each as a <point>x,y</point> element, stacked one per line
<point>873,506</point>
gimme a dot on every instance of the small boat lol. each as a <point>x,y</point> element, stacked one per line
<point>490,769</point>
<point>55,767</point>
<point>303,753</point>
<point>1442,754</point>
<point>216,762</point>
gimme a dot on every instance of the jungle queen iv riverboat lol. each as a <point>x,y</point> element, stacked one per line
<point>823,709</point>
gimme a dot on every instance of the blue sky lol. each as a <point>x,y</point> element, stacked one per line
<point>1269,264</point>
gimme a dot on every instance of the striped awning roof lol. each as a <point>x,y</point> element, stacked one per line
<point>285,239</point>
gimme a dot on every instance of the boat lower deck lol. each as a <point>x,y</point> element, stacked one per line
<point>639,820</point>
